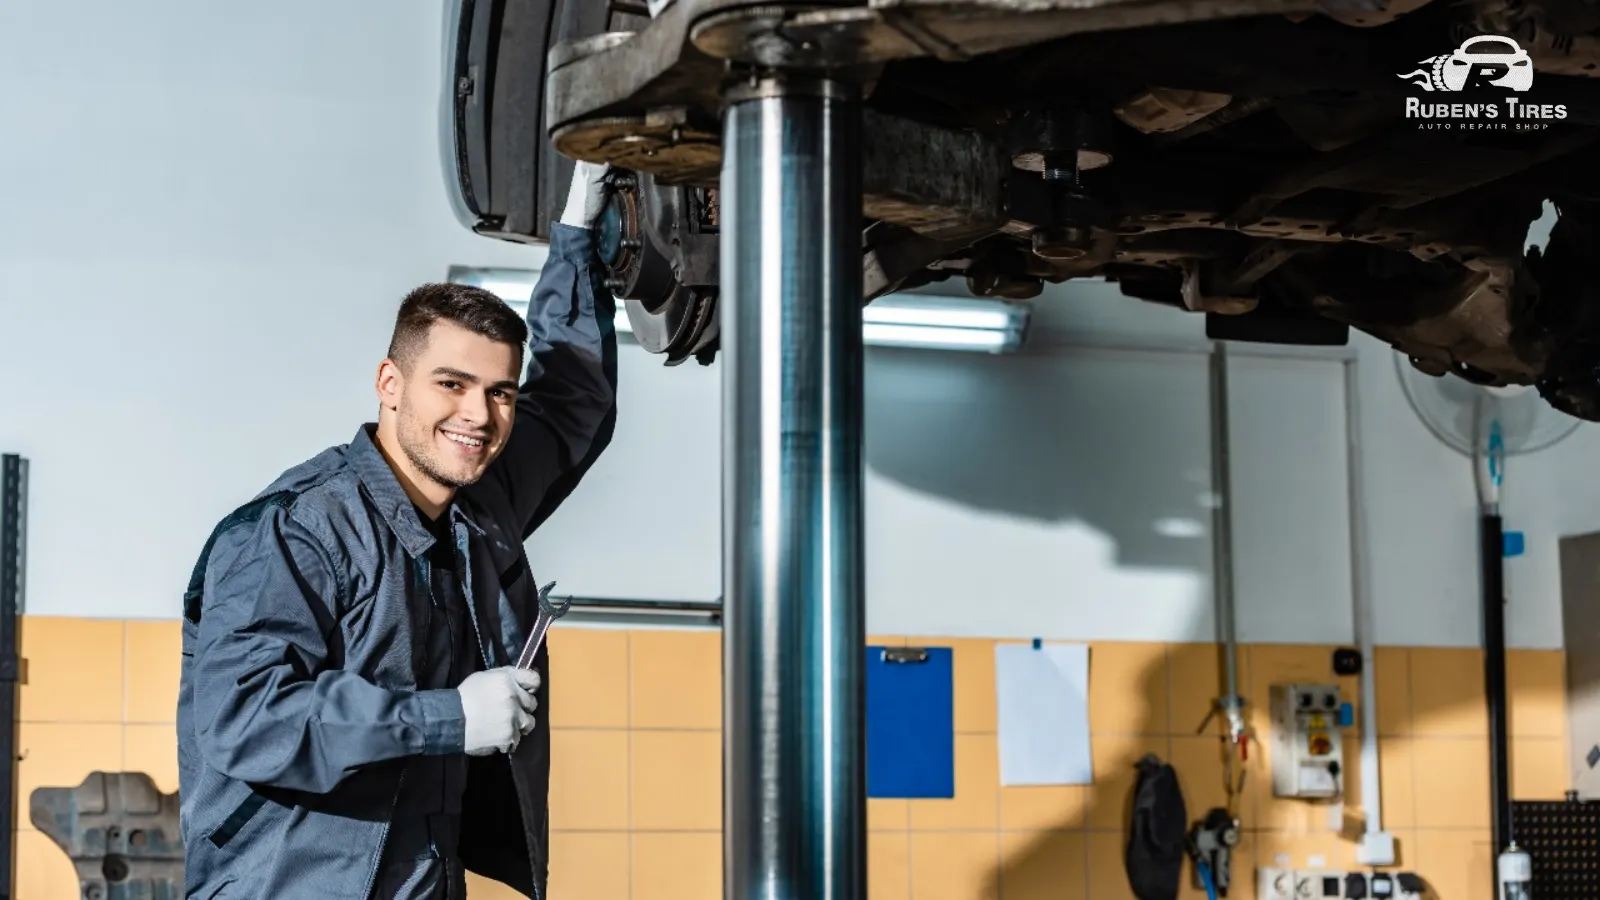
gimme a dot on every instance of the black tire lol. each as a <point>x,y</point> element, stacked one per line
<point>504,177</point>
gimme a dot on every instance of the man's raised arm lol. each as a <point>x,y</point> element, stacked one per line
<point>566,407</point>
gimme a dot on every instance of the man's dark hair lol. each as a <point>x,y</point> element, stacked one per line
<point>474,309</point>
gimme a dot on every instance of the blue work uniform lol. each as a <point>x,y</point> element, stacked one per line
<point>419,859</point>
<point>320,739</point>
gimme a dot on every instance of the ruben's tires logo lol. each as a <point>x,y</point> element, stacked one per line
<point>1495,73</point>
<point>1485,61</point>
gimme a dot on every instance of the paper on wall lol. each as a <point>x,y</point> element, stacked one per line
<point>1043,704</point>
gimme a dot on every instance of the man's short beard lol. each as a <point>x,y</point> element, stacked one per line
<point>426,467</point>
<point>417,448</point>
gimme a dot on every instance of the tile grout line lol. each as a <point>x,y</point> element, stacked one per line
<point>1166,654</point>
<point>627,673</point>
<point>1411,727</point>
<point>1084,863</point>
<point>123,732</point>
<point>911,859</point>
<point>999,861</point>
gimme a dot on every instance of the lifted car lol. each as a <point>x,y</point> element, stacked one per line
<point>1289,169</point>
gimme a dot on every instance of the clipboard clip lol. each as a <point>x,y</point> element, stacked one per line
<point>904,655</point>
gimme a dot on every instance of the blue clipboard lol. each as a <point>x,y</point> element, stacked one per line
<point>910,722</point>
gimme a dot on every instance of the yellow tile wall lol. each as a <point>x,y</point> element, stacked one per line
<point>636,793</point>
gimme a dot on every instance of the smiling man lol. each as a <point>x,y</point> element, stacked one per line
<point>350,720</point>
<point>448,390</point>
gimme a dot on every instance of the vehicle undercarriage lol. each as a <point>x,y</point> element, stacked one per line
<point>1249,160</point>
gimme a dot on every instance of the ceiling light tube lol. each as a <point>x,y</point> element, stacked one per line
<point>937,338</point>
<point>942,312</point>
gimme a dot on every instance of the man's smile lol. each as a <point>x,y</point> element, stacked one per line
<point>470,445</point>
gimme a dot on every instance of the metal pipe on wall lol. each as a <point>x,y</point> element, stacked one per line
<point>1377,846</point>
<point>794,754</point>
<point>1230,704</point>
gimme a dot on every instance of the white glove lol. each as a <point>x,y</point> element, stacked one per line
<point>498,706</point>
<point>587,194</point>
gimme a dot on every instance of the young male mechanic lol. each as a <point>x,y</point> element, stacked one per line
<point>350,721</point>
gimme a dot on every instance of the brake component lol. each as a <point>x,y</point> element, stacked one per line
<point>660,246</point>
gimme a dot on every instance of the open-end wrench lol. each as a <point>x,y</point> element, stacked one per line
<point>549,612</point>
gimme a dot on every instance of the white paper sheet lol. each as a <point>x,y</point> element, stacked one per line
<point>1043,701</point>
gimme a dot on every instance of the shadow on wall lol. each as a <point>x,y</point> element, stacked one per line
<point>1083,847</point>
<point>1034,436</point>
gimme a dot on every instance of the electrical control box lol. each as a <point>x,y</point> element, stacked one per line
<point>1307,741</point>
<point>1334,884</point>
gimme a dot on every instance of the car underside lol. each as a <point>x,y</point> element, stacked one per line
<point>1290,169</point>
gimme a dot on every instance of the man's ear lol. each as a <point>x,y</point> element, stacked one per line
<point>390,383</point>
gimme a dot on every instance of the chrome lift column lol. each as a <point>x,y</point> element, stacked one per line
<point>794,749</point>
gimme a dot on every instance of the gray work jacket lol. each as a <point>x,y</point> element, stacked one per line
<point>297,708</point>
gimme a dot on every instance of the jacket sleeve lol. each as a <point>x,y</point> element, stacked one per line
<point>566,407</point>
<point>269,710</point>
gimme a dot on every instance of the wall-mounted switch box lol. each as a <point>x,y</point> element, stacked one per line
<point>1307,741</point>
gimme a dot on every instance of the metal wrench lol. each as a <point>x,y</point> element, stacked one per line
<point>549,612</point>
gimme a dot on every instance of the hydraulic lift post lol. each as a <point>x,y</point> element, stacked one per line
<point>794,764</point>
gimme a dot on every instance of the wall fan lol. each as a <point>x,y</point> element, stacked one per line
<point>1487,425</point>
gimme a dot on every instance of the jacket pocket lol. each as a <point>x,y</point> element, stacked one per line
<point>513,575</point>
<point>237,819</point>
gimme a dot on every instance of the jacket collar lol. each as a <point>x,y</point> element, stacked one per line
<point>391,500</point>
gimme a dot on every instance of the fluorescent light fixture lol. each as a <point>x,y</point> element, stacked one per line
<point>944,323</point>
<point>515,287</point>
<point>899,320</point>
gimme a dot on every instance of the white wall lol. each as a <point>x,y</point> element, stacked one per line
<point>1050,488</point>
<point>209,215</point>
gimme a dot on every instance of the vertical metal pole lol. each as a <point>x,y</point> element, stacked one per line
<point>13,554</point>
<point>1494,676</point>
<point>1231,704</point>
<point>794,820</point>
<point>1376,842</point>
